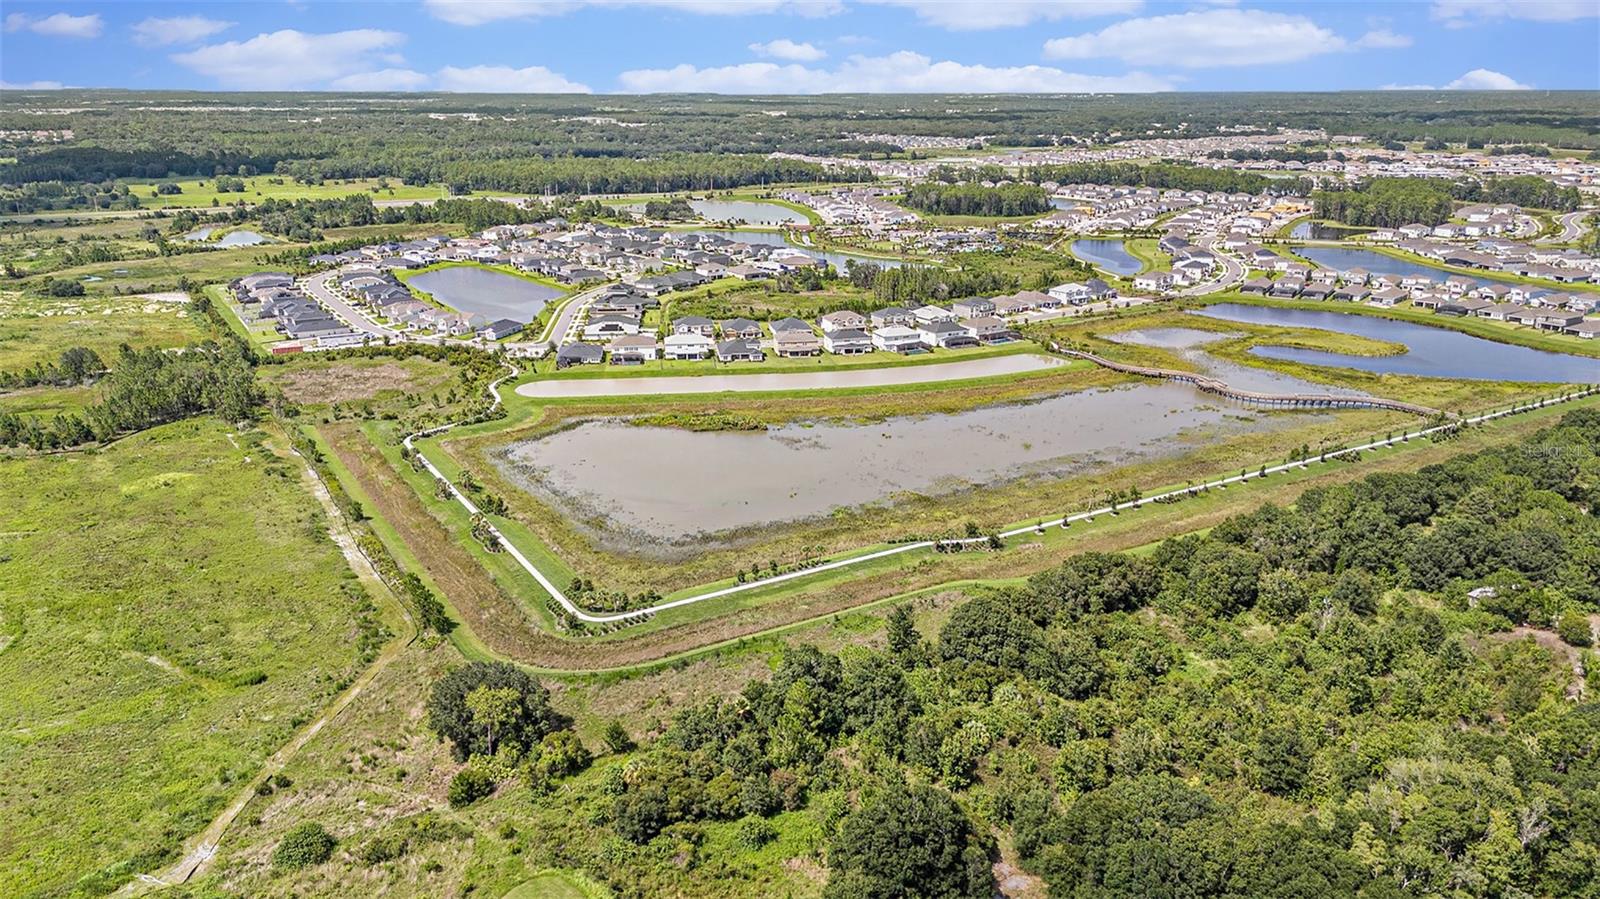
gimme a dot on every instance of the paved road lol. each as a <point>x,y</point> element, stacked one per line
<point>1232,273</point>
<point>1571,227</point>
<point>318,288</point>
<point>563,328</point>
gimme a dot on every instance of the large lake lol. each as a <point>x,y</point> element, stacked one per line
<point>774,239</point>
<point>1110,255</point>
<point>1379,264</point>
<point>1190,344</point>
<point>1433,352</point>
<point>240,238</point>
<point>486,292</point>
<point>659,490</point>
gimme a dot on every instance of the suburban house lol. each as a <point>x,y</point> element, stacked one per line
<point>579,354</point>
<point>1157,281</point>
<point>1076,294</point>
<point>691,345</point>
<point>694,324</point>
<point>740,329</point>
<point>986,328</point>
<point>893,315</point>
<point>739,350</point>
<point>500,329</point>
<point>794,342</point>
<point>948,335</point>
<point>1099,289</point>
<point>972,307</point>
<point>843,320</point>
<point>927,314</point>
<point>846,342</point>
<point>605,326</point>
<point>789,324</point>
<point>633,349</point>
<point>897,339</point>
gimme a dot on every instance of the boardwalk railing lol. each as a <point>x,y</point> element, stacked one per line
<point>1222,388</point>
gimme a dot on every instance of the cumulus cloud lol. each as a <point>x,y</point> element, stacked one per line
<point>1206,39</point>
<point>506,80</point>
<point>1382,39</point>
<point>1475,80</point>
<point>383,80</point>
<point>1460,13</point>
<point>481,12</point>
<point>157,32</point>
<point>783,48</point>
<point>902,72</point>
<point>58,25</point>
<point>1486,80</point>
<point>979,15</point>
<point>289,59</point>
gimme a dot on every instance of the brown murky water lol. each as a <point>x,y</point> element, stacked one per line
<point>648,489</point>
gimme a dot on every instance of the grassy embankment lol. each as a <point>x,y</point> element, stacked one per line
<point>178,610</point>
<point>1489,329</point>
<point>730,619</point>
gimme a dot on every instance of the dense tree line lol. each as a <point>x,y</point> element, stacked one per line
<point>1167,175</point>
<point>1529,191</point>
<point>918,285</point>
<point>1286,154</point>
<point>975,199</point>
<point>76,365</point>
<point>91,164</point>
<point>1387,202</point>
<point>1322,700</point>
<point>145,388</point>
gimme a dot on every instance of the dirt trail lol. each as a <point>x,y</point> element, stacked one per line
<point>203,846</point>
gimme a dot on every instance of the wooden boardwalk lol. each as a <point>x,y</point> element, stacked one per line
<point>1222,388</point>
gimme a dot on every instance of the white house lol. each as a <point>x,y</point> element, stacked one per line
<point>1075,294</point>
<point>847,342</point>
<point>689,345</point>
<point>927,314</point>
<point>1157,281</point>
<point>897,339</point>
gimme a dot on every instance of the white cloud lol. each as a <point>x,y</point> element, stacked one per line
<point>1475,80</point>
<point>902,72</point>
<point>480,12</point>
<point>1485,80</point>
<point>1382,39</point>
<point>980,15</point>
<point>1212,38</point>
<point>506,80</point>
<point>155,32</point>
<point>383,80</point>
<point>1460,13</point>
<point>290,59</point>
<point>58,25</point>
<point>32,86</point>
<point>783,48</point>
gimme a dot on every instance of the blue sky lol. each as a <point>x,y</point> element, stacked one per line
<point>801,46</point>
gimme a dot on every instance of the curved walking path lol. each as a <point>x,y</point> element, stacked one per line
<point>635,615</point>
<point>1222,388</point>
<point>833,379</point>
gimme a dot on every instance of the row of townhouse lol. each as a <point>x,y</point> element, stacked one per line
<point>276,298</point>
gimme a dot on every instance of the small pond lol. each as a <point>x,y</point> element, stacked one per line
<point>485,292</point>
<point>1110,255</point>
<point>1433,352</point>
<point>1310,230</point>
<point>1190,343</point>
<point>652,489</point>
<point>239,238</point>
<point>1379,264</point>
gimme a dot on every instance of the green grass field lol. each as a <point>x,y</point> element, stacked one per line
<point>199,192</point>
<point>37,329</point>
<point>173,610</point>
